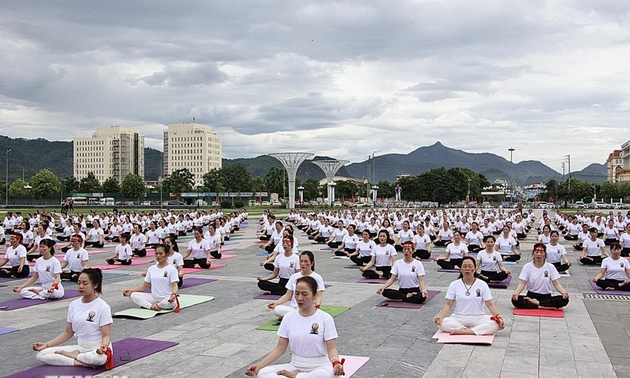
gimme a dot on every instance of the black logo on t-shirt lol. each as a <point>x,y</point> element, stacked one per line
<point>546,274</point>
<point>165,274</point>
<point>478,292</point>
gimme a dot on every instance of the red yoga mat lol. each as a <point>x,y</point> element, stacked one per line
<point>540,312</point>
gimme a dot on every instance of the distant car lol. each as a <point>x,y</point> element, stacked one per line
<point>336,203</point>
<point>276,203</point>
<point>266,203</point>
<point>174,203</point>
<point>579,205</point>
<point>146,203</point>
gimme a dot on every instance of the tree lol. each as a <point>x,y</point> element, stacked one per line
<point>609,190</point>
<point>181,180</point>
<point>274,180</point>
<point>111,186</point>
<point>581,189</point>
<point>212,179</point>
<point>236,178</point>
<point>90,184</point>
<point>385,189</point>
<point>18,188</point>
<point>345,189</point>
<point>624,190</point>
<point>311,189</point>
<point>69,184</point>
<point>44,183</point>
<point>133,186</point>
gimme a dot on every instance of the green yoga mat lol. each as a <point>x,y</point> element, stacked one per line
<point>185,300</point>
<point>332,310</point>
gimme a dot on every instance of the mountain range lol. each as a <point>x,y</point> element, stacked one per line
<point>27,156</point>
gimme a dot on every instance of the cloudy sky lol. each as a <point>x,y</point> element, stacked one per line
<point>338,78</point>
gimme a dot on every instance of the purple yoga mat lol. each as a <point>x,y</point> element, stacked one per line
<point>503,284</point>
<point>15,304</point>
<point>373,280</point>
<point>599,290</point>
<point>131,349</point>
<point>2,279</point>
<point>395,304</point>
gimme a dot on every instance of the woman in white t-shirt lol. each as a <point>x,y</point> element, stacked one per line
<point>16,256</point>
<point>95,236</point>
<point>122,252</point>
<point>624,240</point>
<point>593,249</point>
<point>455,253</point>
<point>474,239</point>
<point>163,279</point>
<point>175,258</point>
<point>444,235</point>
<point>557,254</point>
<point>611,234</point>
<point>403,236</point>
<point>153,235</point>
<point>75,260</point>
<point>214,242</point>
<point>539,276</point>
<point>349,243</point>
<point>138,242</point>
<point>469,295</point>
<point>336,238</point>
<point>310,334</point>
<point>383,257</point>
<point>307,267</point>
<point>614,271</point>
<point>48,270</point>
<point>200,250</point>
<point>363,253</point>
<point>422,244</point>
<point>89,319</point>
<point>506,246</point>
<point>409,273</point>
<point>490,262</point>
<point>285,265</point>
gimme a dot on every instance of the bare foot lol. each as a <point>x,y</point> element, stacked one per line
<point>36,291</point>
<point>610,288</point>
<point>290,374</point>
<point>533,301</point>
<point>463,331</point>
<point>72,354</point>
<point>409,295</point>
<point>155,307</point>
<point>266,292</point>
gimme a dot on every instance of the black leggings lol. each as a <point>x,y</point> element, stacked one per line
<point>269,248</point>
<point>216,254</point>
<point>334,244</point>
<point>13,271</point>
<point>140,252</point>
<point>345,250</point>
<point>422,254</point>
<point>511,257</point>
<point>320,239</point>
<point>269,266</point>
<point>591,260</point>
<point>474,248</point>
<point>545,300</point>
<point>610,241</point>
<point>625,252</point>
<point>203,263</point>
<point>71,276</point>
<point>450,264</point>
<point>63,238</point>
<point>371,273</point>
<point>493,276</point>
<point>560,267</point>
<point>33,257</point>
<point>521,236</point>
<point>360,261</point>
<point>122,262</point>
<point>612,283</point>
<point>570,237</point>
<point>275,288</point>
<point>441,243</point>
<point>402,294</point>
<point>95,244</point>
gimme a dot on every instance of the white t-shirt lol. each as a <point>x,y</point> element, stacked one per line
<point>339,234</point>
<point>292,281</point>
<point>176,259</point>
<point>14,255</point>
<point>161,280</point>
<point>88,318</point>
<point>287,265</point>
<point>555,252</point>
<point>75,259</point>
<point>505,245</point>
<point>308,335</point>
<point>407,274</point>
<point>152,237</point>
<point>405,236</point>
<point>593,248</point>
<point>539,280</point>
<point>365,249</point>
<point>471,304</point>
<point>542,238</point>
<point>624,239</point>
<point>350,242</point>
<point>421,242</point>
<point>46,269</point>
<point>457,251</point>
<point>124,251</point>
<point>137,241</point>
<point>615,269</point>
<point>489,262</point>
<point>199,249</point>
<point>445,235</point>
<point>474,238</point>
<point>383,254</point>
<point>95,234</point>
<point>213,241</point>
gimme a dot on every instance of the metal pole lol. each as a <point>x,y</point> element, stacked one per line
<point>7,179</point>
<point>511,151</point>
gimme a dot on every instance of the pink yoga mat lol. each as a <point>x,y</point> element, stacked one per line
<point>133,263</point>
<point>540,312</point>
<point>224,256</point>
<point>352,364</point>
<point>197,270</point>
<point>446,338</point>
<point>599,290</point>
<point>414,306</point>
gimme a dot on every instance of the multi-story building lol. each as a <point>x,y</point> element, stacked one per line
<point>111,152</point>
<point>193,146</point>
<point>614,164</point>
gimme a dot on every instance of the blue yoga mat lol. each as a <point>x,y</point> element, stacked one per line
<point>4,330</point>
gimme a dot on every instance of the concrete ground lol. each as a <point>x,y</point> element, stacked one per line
<point>219,338</point>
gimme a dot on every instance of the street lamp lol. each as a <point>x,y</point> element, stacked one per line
<point>511,151</point>
<point>374,166</point>
<point>7,180</point>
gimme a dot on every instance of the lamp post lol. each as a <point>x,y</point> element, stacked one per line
<point>374,166</point>
<point>511,151</point>
<point>7,180</point>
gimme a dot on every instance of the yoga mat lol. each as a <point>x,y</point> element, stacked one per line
<point>540,312</point>
<point>225,249</point>
<point>190,282</point>
<point>449,270</point>
<point>352,364</point>
<point>262,254</point>
<point>263,274</point>
<point>96,251</point>
<point>2,279</point>
<point>15,304</point>
<point>373,280</point>
<point>261,241</point>
<point>566,274</point>
<point>351,267</point>
<point>197,270</point>
<point>327,249</point>
<point>224,256</point>
<point>185,300</point>
<point>4,330</point>
<point>133,263</point>
<point>415,306</point>
<point>510,262</point>
<point>501,285</point>
<point>269,297</point>
<point>332,310</point>
<point>125,351</point>
<point>599,290</point>
<point>230,242</point>
<point>106,275</point>
<point>446,338</point>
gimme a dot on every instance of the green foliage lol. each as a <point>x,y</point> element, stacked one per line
<point>345,190</point>
<point>238,204</point>
<point>69,184</point>
<point>181,180</point>
<point>274,180</point>
<point>385,189</point>
<point>624,190</point>
<point>312,189</point>
<point>89,184</point>
<point>226,203</point>
<point>111,186</point>
<point>442,185</point>
<point>44,183</point>
<point>236,178</point>
<point>18,188</point>
<point>133,186</point>
<point>609,190</point>
<point>212,179</point>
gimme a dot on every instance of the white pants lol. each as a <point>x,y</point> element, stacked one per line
<point>146,300</point>
<point>281,310</point>
<point>87,354</point>
<point>44,294</point>
<point>309,367</point>
<point>479,324</point>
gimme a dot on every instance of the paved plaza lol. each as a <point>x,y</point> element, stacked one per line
<point>219,338</point>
